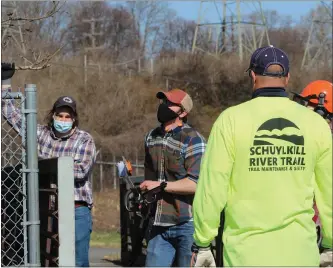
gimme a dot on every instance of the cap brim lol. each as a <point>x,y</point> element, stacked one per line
<point>63,105</point>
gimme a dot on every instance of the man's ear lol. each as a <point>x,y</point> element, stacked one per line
<point>287,79</point>
<point>253,76</point>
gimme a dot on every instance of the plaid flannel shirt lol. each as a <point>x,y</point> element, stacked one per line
<point>80,145</point>
<point>173,156</point>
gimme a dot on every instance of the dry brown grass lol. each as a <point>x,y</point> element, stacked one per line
<point>106,211</point>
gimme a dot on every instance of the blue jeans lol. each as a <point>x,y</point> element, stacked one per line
<point>83,227</point>
<point>169,243</point>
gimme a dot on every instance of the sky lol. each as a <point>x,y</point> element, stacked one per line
<point>190,9</point>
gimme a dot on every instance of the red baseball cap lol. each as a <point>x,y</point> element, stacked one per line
<point>177,96</point>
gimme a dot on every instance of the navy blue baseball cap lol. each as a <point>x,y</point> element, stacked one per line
<point>65,101</point>
<point>264,57</point>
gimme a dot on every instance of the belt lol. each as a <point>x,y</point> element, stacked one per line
<point>81,204</point>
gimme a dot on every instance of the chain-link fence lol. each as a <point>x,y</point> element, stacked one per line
<point>19,199</point>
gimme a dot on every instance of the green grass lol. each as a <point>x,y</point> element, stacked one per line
<point>105,239</point>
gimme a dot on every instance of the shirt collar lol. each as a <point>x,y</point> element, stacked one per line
<point>172,131</point>
<point>270,92</point>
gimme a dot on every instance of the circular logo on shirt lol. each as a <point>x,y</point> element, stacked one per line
<point>67,99</point>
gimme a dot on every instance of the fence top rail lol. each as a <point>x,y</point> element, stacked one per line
<point>114,163</point>
<point>11,95</point>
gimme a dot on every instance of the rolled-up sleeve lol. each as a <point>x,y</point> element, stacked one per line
<point>193,154</point>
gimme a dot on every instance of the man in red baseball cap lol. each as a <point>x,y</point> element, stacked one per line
<point>173,154</point>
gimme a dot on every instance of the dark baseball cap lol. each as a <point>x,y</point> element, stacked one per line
<point>65,101</point>
<point>264,57</point>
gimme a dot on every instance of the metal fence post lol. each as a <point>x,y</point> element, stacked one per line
<point>24,179</point>
<point>32,175</point>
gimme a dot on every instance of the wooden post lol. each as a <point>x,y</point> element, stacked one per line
<point>101,172</point>
<point>114,173</point>
<point>99,71</point>
<point>85,72</point>
<point>139,65</point>
<point>152,66</point>
<point>167,84</point>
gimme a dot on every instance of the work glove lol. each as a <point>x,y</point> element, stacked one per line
<point>121,169</point>
<point>202,257</point>
<point>7,70</point>
<point>326,258</point>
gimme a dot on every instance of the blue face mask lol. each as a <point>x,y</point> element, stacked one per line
<point>61,126</point>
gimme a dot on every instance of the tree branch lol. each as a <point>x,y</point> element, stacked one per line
<point>40,63</point>
<point>55,9</point>
<point>33,68</point>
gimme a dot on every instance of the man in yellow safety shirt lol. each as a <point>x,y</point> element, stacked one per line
<point>258,167</point>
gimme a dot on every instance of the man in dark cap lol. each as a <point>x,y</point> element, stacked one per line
<point>263,164</point>
<point>62,137</point>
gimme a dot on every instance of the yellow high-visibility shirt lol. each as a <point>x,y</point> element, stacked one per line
<point>265,160</point>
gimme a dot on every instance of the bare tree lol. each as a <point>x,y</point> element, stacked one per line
<point>178,35</point>
<point>114,30</point>
<point>23,36</point>
<point>150,16</point>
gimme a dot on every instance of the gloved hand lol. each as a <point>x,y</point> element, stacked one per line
<point>7,70</point>
<point>326,258</point>
<point>202,257</point>
<point>121,169</point>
